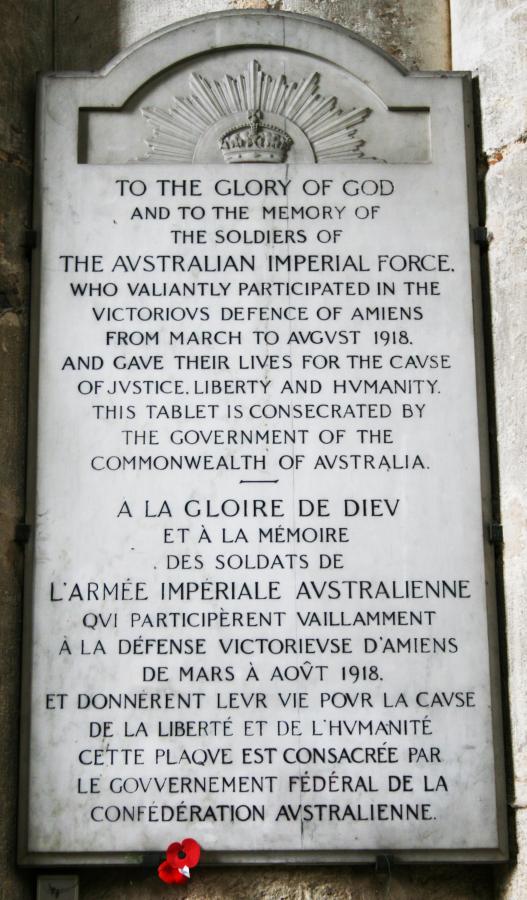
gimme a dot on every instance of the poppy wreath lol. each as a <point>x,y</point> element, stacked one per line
<point>181,858</point>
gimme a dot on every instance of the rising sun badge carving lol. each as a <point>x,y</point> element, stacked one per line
<point>251,118</point>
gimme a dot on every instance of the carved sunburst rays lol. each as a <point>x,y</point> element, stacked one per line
<point>330,131</point>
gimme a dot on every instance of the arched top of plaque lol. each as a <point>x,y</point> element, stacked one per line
<point>257,87</point>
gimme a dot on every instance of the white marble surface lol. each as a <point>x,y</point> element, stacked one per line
<point>100,521</point>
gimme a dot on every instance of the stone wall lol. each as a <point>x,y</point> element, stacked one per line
<point>84,34</point>
<point>27,47</point>
<point>487,38</point>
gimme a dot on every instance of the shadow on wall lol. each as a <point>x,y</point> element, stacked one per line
<point>86,35</point>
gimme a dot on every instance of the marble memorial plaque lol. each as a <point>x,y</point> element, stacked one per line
<point>260,606</point>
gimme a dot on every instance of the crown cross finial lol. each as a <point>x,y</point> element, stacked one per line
<point>255,120</point>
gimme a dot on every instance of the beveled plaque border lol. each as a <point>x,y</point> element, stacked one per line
<point>118,80</point>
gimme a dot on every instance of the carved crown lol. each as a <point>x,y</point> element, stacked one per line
<point>255,141</point>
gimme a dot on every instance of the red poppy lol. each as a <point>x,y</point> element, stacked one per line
<point>181,857</point>
<point>170,875</point>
